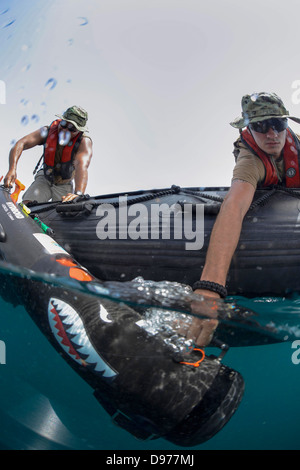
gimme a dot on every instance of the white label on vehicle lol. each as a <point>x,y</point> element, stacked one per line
<point>12,211</point>
<point>50,245</point>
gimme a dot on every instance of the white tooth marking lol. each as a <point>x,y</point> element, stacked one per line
<point>104,314</point>
<point>65,321</point>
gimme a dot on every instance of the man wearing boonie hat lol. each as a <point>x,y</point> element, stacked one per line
<point>66,158</point>
<point>267,153</point>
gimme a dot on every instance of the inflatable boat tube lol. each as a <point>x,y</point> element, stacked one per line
<point>146,388</point>
<point>163,234</point>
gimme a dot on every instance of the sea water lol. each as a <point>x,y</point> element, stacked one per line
<point>44,404</point>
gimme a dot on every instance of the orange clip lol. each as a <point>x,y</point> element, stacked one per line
<point>18,188</point>
<point>195,364</point>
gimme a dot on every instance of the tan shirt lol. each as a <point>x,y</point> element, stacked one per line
<point>250,168</point>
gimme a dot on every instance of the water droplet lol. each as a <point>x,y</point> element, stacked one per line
<point>70,42</point>
<point>51,83</point>
<point>64,137</point>
<point>44,131</point>
<point>82,20</point>
<point>35,118</point>
<point>12,143</point>
<point>25,68</point>
<point>26,103</point>
<point>294,151</point>
<point>24,120</point>
<point>8,24</point>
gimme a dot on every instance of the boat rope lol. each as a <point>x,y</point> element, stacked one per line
<point>87,204</point>
<point>143,198</point>
<point>275,189</point>
<point>262,200</point>
<point>201,195</point>
<point>290,191</point>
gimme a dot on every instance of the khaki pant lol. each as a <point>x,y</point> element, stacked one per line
<point>41,190</point>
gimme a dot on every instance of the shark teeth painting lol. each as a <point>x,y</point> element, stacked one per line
<point>69,331</point>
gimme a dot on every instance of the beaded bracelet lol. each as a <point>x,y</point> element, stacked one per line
<point>212,286</point>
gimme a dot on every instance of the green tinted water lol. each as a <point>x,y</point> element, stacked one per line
<point>46,405</point>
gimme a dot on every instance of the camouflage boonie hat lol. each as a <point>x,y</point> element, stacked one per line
<point>77,116</point>
<point>259,107</point>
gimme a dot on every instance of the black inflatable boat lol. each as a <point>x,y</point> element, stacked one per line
<point>149,388</point>
<point>163,234</point>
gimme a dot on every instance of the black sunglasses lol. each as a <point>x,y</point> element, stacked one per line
<point>68,125</point>
<point>263,127</point>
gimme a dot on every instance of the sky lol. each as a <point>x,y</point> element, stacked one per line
<point>161,81</point>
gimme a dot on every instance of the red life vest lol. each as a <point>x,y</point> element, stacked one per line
<point>66,167</point>
<point>291,157</point>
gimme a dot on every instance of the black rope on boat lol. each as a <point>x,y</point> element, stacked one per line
<point>86,206</point>
<point>146,197</point>
<point>202,195</point>
<point>275,189</point>
<point>73,207</point>
<point>290,191</point>
<point>262,200</point>
<point>39,210</point>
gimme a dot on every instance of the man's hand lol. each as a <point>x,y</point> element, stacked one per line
<point>69,197</point>
<point>10,178</point>
<point>202,330</point>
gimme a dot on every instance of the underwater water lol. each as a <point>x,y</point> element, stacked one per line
<point>46,405</point>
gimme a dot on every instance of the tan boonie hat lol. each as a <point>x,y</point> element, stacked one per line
<point>259,107</point>
<point>77,116</point>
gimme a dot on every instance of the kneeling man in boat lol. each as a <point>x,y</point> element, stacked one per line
<point>66,158</point>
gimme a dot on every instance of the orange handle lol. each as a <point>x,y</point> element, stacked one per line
<point>18,188</point>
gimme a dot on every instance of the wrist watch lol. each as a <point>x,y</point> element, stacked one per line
<point>78,193</point>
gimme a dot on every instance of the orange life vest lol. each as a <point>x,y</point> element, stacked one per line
<point>65,167</point>
<point>291,156</point>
